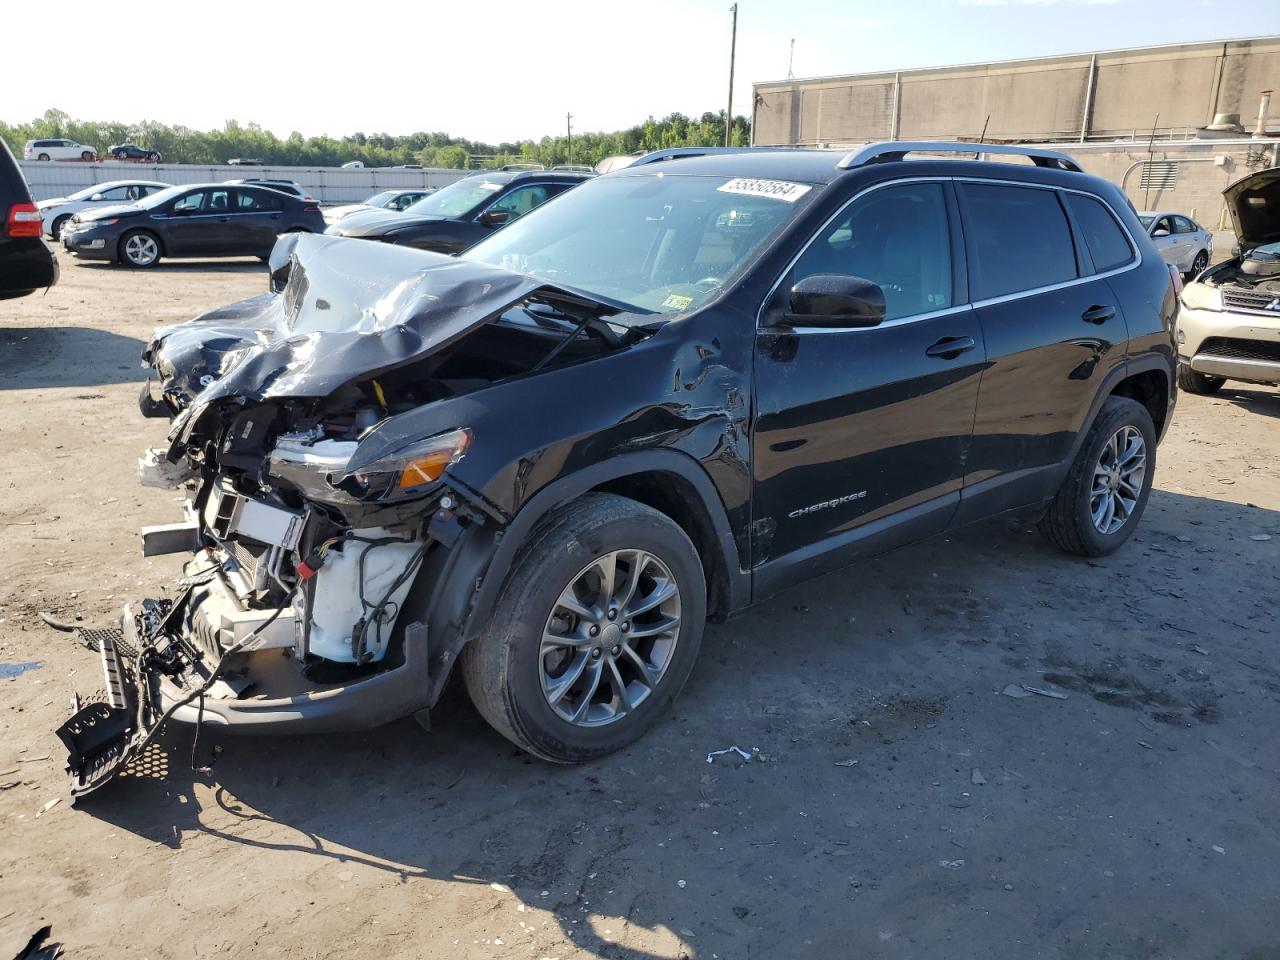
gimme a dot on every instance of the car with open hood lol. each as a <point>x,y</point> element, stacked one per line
<point>671,393</point>
<point>454,217</point>
<point>190,220</point>
<point>1229,324</point>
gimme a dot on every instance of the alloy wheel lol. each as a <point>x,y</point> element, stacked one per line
<point>610,638</point>
<point>1118,476</point>
<point>141,249</point>
<point>1201,261</point>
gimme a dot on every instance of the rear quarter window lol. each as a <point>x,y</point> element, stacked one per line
<point>1107,244</point>
<point>1016,238</point>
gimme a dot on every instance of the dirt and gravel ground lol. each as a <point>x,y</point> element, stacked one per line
<point>898,803</point>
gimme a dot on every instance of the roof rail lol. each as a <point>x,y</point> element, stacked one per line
<point>898,149</point>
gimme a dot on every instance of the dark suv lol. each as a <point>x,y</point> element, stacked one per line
<point>463,213</point>
<point>26,262</point>
<point>675,391</point>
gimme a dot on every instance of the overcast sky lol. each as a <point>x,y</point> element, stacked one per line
<point>499,70</point>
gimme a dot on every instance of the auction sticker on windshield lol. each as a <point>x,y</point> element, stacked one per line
<point>776,189</point>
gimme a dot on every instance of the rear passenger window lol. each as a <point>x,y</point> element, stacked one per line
<point>896,237</point>
<point>1016,238</point>
<point>1102,235</point>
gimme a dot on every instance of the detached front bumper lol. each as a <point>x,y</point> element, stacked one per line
<point>1230,344</point>
<point>150,682</point>
<point>235,652</point>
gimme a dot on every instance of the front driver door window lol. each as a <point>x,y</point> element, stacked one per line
<point>861,434</point>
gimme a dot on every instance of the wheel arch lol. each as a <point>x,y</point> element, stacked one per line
<point>1150,385</point>
<point>459,586</point>
<point>672,483</point>
<point>1146,378</point>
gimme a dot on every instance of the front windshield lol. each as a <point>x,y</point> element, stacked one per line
<point>382,199</point>
<point>456,199</point>
<point>660,243</point>
<point>161,197</point>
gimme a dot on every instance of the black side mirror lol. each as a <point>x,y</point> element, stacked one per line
<point>835,300</point>
<point>495,218</point>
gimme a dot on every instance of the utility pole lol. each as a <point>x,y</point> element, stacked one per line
<point>568,125</point>
<point>791,61</point>
<point>733,50</point>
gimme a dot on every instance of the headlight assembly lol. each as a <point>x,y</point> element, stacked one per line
<point>1201,296</point>
<point>409,470</point>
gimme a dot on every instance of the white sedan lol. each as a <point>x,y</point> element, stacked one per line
<point>59,210</point>
<point>1180,240</point>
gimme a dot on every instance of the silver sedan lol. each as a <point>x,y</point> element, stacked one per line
<point>1180,240</point>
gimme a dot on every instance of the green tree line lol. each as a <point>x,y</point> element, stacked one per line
<point>179,144</point>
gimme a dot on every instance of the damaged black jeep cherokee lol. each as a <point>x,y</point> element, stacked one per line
<point>666,395</point>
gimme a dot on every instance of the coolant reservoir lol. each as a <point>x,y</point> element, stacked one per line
<point>336,605</point>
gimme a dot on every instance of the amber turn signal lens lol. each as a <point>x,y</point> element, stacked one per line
<point>425,469</point>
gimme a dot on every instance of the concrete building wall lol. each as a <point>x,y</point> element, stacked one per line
<point>1092,96</point>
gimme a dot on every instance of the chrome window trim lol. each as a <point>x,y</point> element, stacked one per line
<point>895,322</point>
<point>970,304</point>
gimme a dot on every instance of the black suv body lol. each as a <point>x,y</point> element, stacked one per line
<point>465,212</point>
<point>672,393</point>
<point>26,262</point>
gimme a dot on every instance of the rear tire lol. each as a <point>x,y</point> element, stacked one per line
<point>139,249</point>
<point>1199,263</point>
<point>551,653</point>
<point>1115,465</point>
<point>1193,382</point>
<point>43,156</point>
<point>153,157</point>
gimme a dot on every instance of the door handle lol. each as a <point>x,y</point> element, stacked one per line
<point>948,348</point>
<point>1098,314</point>
<point>224,219</point>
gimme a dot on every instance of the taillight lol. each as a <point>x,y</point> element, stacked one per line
<point>24,221</point>
<point>1176,276</point>
<point>311,209</point>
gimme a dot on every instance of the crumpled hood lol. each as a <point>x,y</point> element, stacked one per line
<point>349,309</point>
<point>375,222</point>
<point>1254,205</point>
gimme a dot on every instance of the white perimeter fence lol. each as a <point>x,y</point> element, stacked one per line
<point>327,184</point>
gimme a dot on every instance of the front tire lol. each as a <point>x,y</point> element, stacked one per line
<point>1193,382</point>
<point>55,228</point>
<point>86,155</point>
<point>1106,489</point>
<point>139,249</point>
<point>153,157</point>
<point>595,633</point>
